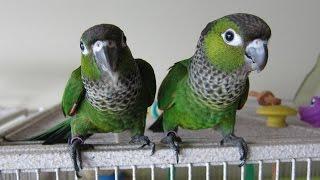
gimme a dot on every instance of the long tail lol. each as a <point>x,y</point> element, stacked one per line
<point>157,126</point>
<point>57,134</point>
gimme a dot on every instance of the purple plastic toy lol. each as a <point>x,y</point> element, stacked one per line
<point>311,113</point>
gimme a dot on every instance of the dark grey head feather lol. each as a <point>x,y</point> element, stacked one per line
<point>251,26</point>
<point>103,32</point>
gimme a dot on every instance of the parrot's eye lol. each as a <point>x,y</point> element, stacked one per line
<point>111,44</point>
<point>232,38</point>
<point>83,48</point>
<point>229,36</point>
<point>313,101</point>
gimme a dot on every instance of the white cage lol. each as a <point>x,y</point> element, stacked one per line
<point>287,153</point>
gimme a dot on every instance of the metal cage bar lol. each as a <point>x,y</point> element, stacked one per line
<point>133,172</point>
<point>293,169</point>
<point>37,174</point>
<point>207,171</point>
<point>260,170</point>
<point>242,172</point>
<point>152,172</point>
<point>57,172</point>
<point>17,174</point>
<point>116,173</point>
<point>277,169</point>
<point>189,171</point>
<point>171,172</point>
<point>96,173</point>
<point>225,172</point>
<point>309,169</point>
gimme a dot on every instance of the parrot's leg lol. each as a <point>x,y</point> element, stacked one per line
<point>226,127</point>
<point>238,142</point>
<point>173,141</point>
<point>144,140</point>
<point>77,146</point>
<point>137,132</point>
<point>80,128</point>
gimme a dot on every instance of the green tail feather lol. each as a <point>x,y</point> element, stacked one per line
<point>57,134</point>
<point>157,126</point>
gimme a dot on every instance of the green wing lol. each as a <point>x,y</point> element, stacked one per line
<point>148,80</point>
<point>73,93</point>
<point>244,96</point>
<point>72,96</point>
<point>167,90</point>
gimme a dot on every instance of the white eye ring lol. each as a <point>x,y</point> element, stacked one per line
<point>98,45</point>
<point>83,48</point>
<point>232,38</point>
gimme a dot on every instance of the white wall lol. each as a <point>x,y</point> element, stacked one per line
<point>39,40</point>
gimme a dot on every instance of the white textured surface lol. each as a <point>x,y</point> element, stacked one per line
<point>30,157</point>
<point>198,148</point>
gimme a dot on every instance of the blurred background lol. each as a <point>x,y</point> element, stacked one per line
<point>39,40</point>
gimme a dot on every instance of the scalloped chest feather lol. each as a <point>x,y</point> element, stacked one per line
<point>107,95</point>
<point>211,86</point>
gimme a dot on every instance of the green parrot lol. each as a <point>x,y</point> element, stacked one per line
<point>109,92</point>
<point>206,90</point>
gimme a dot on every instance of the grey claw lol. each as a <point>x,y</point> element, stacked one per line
<point>238,142</point>
<point>78,175</point>
<point>243,162</point>
<point>143,139</point>
<point>222,142</point>
<point>153,148</point>
<point>173,141</point>
<point>177,156</point>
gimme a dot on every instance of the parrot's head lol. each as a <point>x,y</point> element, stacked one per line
<point>103,51</point>
<point>235,41</point>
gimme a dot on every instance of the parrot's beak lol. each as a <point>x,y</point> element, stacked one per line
<point>106,57</point>
<point>256,54</point>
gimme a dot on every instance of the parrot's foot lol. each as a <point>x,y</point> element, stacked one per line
<point>238,142</point>
<point>173,141</point>
<point>145,142</point>
<point>76,146</point>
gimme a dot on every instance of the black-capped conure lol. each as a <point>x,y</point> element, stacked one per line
<point>109,92</point>
<point>206,90</point>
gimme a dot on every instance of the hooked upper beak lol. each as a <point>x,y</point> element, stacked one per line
<point>106,56</point>
<point>256,54</point>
